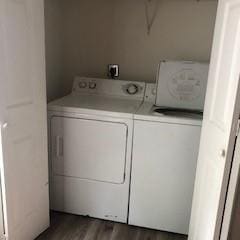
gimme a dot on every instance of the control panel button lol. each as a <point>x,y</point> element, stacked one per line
<point>92,85</point>
<point>132,89</point>
<point>154,91</point>
<point>82,84</point>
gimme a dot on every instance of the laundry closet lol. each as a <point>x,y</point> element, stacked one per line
<point>114,121</point>
<point>109,157</point>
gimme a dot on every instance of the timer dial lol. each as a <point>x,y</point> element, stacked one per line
<point>132,89</point>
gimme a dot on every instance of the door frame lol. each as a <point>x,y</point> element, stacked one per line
<point>234,172</point>
<point>3,215</point>
<point>232,190</point>
<point>229,184</point>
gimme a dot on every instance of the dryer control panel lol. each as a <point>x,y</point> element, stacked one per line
<point>108,87</point>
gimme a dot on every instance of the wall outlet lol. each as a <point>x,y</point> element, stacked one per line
<point>113,70</point>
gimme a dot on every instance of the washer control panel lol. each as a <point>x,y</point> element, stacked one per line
<point>118,88</point>
<point>150,93</point>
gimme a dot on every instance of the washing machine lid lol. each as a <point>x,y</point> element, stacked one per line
<point>182,84</point>
<point>96,105</point>
<point>147,113</point>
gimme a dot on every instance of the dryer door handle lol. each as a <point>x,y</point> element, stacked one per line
<point>59,146</point>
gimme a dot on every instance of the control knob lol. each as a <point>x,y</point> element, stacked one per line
<point>132,89</point>
<point>92,85</point>
<point>82,85</point>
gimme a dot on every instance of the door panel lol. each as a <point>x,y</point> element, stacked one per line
<point>219,125</point>
<point>89,149</point>
<point>163,171</point>
<point>222,91</point>
<point>24,140</point>
<point>19,82</point>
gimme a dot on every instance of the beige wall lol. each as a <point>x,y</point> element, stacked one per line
<point>95,33</point>
<point>54,55</point>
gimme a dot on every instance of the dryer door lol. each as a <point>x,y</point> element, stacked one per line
<point>88,149</point>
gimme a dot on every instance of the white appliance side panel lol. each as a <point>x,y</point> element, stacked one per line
<point>89,149</point>
<point>163,172</point>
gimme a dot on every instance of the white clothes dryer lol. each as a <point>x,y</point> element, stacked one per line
<point>90,143</point>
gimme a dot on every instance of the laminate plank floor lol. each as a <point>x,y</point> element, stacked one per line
<point>73,227</point>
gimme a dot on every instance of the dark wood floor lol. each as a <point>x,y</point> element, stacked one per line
<point>72,227</point>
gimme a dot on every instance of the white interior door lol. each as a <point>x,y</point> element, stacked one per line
<point>24,167</point>
<point>219,125</point>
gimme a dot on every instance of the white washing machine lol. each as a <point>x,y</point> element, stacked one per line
<point>165,148</point>
<point>90,141</point>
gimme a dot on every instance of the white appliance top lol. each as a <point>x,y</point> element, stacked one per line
<point>182,84</point>
<point>106,97</point>
<point>146,111</point>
